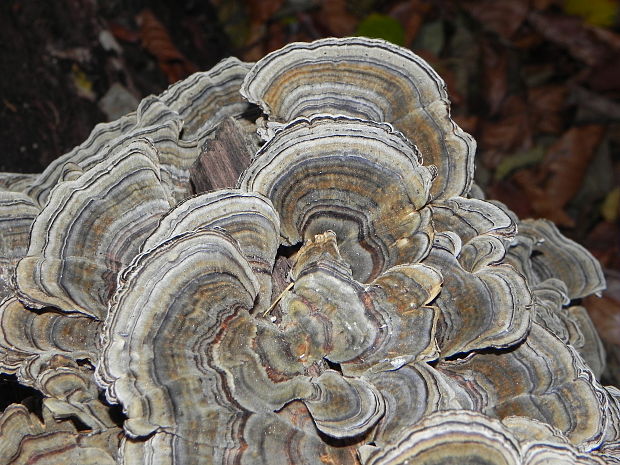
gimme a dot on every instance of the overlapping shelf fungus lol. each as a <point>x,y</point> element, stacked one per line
<point>317,284</point>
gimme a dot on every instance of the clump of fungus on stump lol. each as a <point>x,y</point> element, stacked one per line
<point>317,284</point>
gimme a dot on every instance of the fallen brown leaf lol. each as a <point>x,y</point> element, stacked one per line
<point>607,36</point>
<point>410,14</point>
<point>571,33</point>
<point>123,33</point>
<point>597,104</point>
<point>506,134</point>
<point>259,14</point>
<point>605,76</point>
<point>494,79</point>
<point>546,107</point>
<point>508,192</point>
<point>336,17</point>
<point>604,243</point>
<point>157,41</point>
<point>559,177</point>
<point>503,18</point>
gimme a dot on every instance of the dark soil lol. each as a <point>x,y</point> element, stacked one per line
<point>55,69</point>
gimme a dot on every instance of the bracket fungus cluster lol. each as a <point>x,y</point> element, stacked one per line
<point>317,284</point>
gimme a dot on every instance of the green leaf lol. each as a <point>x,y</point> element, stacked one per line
<point>380,26</point>
<point>519,160</point>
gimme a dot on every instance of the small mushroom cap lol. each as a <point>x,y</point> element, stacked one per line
<point>344,407</point>
<point>69,389</point>
<point>356,178</point>
<point>419,390</point>
<point>570,324</point>
<point>289,437</point>
<point>584,337</point>
<point>369,79</point>
<point>470,218</point>
<point>379,327</point>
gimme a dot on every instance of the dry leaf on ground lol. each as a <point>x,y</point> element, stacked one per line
<point>556,181</point>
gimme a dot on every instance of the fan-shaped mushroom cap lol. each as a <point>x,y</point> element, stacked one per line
<point>470,218</point>
<point>248,217</point>
<point>344,407</point>
<point>540,252</point>
<point>542,379</point>
<point>69,390</point>
<point>412,393</point>
<point>25,334</point>
<point>356,178</point>
<point>90,228</point>
<point>373,80</point>
<point>571,324</point>
<point>185,289</point>
<point>482,304</point>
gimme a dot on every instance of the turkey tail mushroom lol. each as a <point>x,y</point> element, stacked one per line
<point>372,80</point>
<point>353,300</point>
<point>357,178</point>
